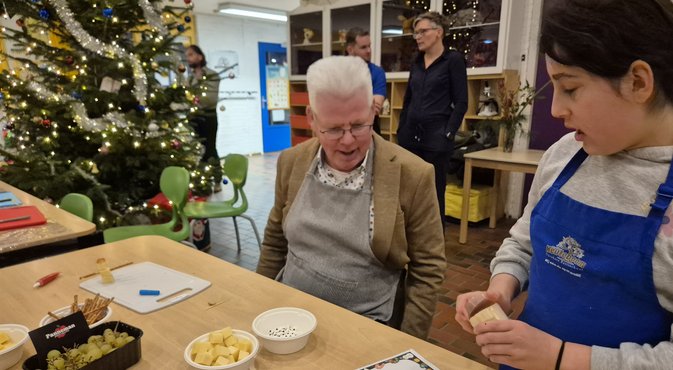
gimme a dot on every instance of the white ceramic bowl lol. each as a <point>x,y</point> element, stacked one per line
<point>284,330</point>
<point>65,311</point>
<point>239,365</point>
<point>10,356</point>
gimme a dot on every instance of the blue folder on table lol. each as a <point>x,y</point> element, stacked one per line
<point>8,199</point>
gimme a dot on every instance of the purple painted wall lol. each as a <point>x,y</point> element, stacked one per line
<point>545,130</point>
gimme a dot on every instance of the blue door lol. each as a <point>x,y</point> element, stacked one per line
<point>275,94</point>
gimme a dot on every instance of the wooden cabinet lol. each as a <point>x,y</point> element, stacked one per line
<point>397,45</point>
<point>300,130</point>
<point>487,32</point>
<point>319,31</point>
<point>499,84</point>
<point>391,122</point>
<point>344,18</point>
<point>306,40</point>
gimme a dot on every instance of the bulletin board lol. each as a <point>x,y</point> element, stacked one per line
<point>277,87</point>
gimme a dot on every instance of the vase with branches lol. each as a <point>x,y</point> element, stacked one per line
<point>513,104</point>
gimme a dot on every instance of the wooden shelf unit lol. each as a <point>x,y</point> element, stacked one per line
<point>508,80</point>
<point>300,130</point>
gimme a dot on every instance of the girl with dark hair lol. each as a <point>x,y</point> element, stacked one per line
<point>594,247</point>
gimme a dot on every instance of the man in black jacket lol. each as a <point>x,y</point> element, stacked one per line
<point>435,101</point>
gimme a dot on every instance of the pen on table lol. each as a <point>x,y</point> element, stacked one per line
<point>14,219</point>
<point>5,200</point>
<point>45,280</point>
<point>113,268</point>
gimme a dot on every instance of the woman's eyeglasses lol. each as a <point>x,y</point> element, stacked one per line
<point>421,31</point>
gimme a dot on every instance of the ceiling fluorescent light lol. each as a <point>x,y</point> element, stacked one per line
<point>252,12</point>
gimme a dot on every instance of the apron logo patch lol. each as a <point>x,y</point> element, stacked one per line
<point>568,253</point>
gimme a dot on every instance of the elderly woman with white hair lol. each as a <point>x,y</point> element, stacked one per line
<point>354,220</point>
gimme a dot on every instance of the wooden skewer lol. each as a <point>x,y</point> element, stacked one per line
<point>56,317</point>
<point>113,268</point>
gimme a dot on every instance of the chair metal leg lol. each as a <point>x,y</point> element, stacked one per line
<point>238,239</point>
<point>254,228</point>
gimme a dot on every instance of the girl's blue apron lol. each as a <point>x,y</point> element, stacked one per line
<point>591,274</point>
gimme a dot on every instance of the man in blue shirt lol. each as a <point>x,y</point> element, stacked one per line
<point>359,44</point>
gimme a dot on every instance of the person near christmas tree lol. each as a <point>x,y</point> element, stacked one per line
<point>84,110</point>
<point>594,247</point>
<point>205,120</point>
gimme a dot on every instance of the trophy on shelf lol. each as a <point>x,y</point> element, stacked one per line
<point>342,35</point>
<point>385,107</point>
<point>488,106</point>
<point>308,35</point>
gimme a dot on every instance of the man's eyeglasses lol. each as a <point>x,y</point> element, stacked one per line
<point>421,31</point>
<point>338,133</point>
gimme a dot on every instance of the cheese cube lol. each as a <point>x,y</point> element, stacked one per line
<point>220,350</point>
<point>230,341</point>
<point>221,361</point>
<point>244,345</point>
<point>233,351</point>
<point>231,358</point>
<point>242,355</point>
<point>204,358</point>
<point>216,338</point>
<point>226,332</point>
<point>201,347</point>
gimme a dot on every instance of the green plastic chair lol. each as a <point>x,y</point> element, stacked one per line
<point>235,167</point>
<point>78,204</point>
<point>174,184</point>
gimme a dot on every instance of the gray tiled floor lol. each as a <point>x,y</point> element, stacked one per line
<point>259,189</point>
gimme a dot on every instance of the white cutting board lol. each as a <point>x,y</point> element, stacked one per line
<point>131,279</point>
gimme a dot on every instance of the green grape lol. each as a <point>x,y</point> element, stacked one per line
<point>123,335</point>
<point>83,348</point>
<point>105,348</point>
<point>95,354</point>
<point>95,339</point>
<point>110,338</point>
<point>51,367</point>
<point>107,332</point>
<point>73,353</point>
<point>59,363</point>
<point>53,354</point>
<point>119,342</point>
<point>129,339</point>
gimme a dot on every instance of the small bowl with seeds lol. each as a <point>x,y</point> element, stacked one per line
<point>284,330</point>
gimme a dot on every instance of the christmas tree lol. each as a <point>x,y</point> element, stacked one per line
<point>83,107</point>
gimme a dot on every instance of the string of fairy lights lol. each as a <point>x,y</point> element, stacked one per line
<point>111,123</point>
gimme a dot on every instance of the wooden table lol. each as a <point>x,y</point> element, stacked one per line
<point>61,225</point>
<point>342,339</point>
<point>525,161</point>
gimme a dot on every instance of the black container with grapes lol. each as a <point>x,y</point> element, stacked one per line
<point>120,358</point>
